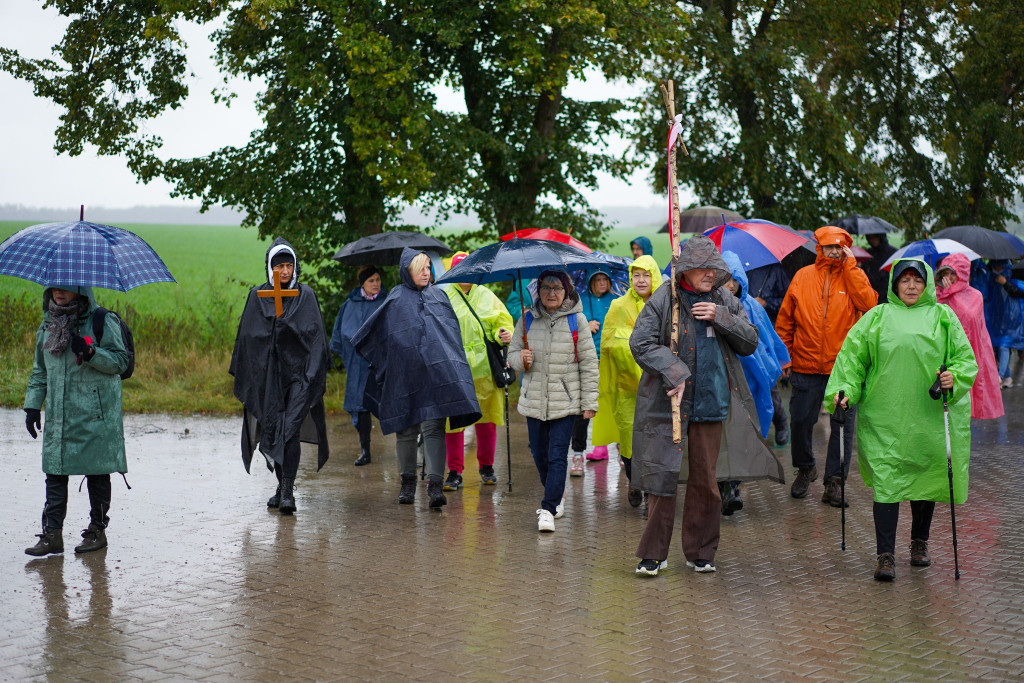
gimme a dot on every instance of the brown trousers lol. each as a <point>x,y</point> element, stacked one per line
<point>702,507</point>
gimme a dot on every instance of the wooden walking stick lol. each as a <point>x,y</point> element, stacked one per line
<point>675,127</point>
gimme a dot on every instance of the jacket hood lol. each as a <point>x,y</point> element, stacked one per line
<point>830,234</point>
<point>644,244</point>
<point>276,247</point>
<point>700,252</point>
<point>883,243</point>
<point>736,268</point>
<point>80,291</point>
<point>403,266</point>
<point>647,263</point>
<point>959,264</point>
<point>928,296</point>
<point>600,271</point>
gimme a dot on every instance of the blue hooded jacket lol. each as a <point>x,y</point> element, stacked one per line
<point>596,307</point>
<point>645,244</point>
<point>763,367</point>
<point>351,316</point>
<point>418,366</point>
<point>1003,310</point>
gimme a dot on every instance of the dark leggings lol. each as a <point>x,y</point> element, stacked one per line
<point>887,515</point>
<point>627,464</point>
<point>56,507</point>
<point>579,434</point>
<point>363,425</point>
<point>290,468</point>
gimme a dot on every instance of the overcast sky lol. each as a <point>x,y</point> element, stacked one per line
<point>33,174</point>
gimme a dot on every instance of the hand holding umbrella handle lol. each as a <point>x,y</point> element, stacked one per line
<point>936,391</point>
<point>840,412</point>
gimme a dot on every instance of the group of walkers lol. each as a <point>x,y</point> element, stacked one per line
<point>417,358</point>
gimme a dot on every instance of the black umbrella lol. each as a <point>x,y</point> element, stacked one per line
<point>988,243</point>
<point>856,224</point>
<point>385,248</point>
<point>701,218</point>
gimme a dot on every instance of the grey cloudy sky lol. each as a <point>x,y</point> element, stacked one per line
<point>33,174</point>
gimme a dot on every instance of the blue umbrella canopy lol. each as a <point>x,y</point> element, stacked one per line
<point>617,268</point>
<point>517,259</point>
<point>81,254</point>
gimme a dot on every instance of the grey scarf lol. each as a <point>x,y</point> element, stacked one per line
<point>62,321</point>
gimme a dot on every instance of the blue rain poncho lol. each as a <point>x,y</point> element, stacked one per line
<point>351,316</point>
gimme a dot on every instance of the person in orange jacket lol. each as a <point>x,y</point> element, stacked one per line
<point>823,302</point>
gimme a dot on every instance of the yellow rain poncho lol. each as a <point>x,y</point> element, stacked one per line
<point>494,316</point>
<point>619,373</point>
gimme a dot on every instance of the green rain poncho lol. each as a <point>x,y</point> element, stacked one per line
<point>619,373</point>
<point>493,315</point>
<point>886,365</point>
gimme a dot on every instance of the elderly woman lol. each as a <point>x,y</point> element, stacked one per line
<point>954,290</point>
<point>559,366</point>
<point>886,365</point>
<point>596,301</point>
<point>420,376</point>
<point>620,375</point>
<point>359,305</point>
<point>482,318</point>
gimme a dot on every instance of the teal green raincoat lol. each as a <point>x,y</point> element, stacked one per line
<point>886,365</point>
<point>83,432</point>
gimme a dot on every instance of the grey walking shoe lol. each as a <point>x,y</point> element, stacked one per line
<point>804,477</point>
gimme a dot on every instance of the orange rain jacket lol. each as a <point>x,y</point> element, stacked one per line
<point>823,302</point>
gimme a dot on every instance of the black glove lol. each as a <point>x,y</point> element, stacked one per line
<point>33,421</point>
<point>81,348</point>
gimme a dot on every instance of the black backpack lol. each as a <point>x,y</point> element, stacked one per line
<point>99,319</point>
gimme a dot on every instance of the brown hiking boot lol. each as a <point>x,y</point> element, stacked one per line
<point>885,569</point>
<point>919,554</point>
<point>834,493</point>
<point>804,477</point>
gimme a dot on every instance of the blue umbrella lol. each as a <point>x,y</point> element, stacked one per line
<point>516,259</point>
<point>931,251</point>
<point>617,268</point>
<point>81,254</point>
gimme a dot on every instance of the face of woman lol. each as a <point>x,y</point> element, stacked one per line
<point>422,278</point>
<point>372,285</point>
<point>63,297</point>
<point>948,278</point>
<point>641,281</point>
<point>600,284</point>
<point>552,294</point>
<point>909,287</point>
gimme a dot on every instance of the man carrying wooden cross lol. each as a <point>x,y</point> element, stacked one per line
<point>280,364</point>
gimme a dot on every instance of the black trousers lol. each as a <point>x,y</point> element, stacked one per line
<point>804,405</point>
<point>56,508</point>
<point>363,426</point>
<point>290,468</point>
<point>579,434</point>
<point>887,516</point>
<point>779,418</point>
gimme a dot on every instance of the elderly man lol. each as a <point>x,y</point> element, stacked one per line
<point>705,378</point>
<point>823,302</point>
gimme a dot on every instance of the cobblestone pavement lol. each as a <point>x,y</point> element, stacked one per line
<point>201,581</point>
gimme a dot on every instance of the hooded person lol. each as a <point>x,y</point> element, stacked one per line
<point>641,246</point>
<point>1003,315</point>
<point>880,250</point>
<point>78,378</point>
<point>822,303</point>
<point>718,417</point>
<point>887,364</point>
<point>595,301</point>
<point>619,373</point>
<point>419,373</point>
<point>280,368</point>
<point>482,318</point>
<point>954,289</point>
<point>360,304</point>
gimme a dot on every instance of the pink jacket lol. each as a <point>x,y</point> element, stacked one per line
<point>967,303</point>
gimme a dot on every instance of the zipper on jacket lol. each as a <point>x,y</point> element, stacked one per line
<point>566,387</point>
<point>824,321</point>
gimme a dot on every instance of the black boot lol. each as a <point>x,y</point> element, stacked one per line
<point>275,500</point>
<point>435,490</point>
<point>93,538</point>
<point>408,493</point>
<point>50,541</point>
<point>287,496</point>
<point>364,455</point>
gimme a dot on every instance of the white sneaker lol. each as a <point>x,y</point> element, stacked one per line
<point>560,509</point>
<point>1006,383</point>
<point>576,469</point>
<point>701,566</point>
<point>545,522</point>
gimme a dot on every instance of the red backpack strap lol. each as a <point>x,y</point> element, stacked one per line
<point>573,323</point>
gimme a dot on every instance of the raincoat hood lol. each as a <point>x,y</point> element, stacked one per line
<point>700,252</point>
<point>647,263</point>
<point>736,268</point>
<point>961,266</point>
<point>590,280</point>
<point>80,291</point>
<point>644,244</point>
<point>277,246</point>
<point>830,234</point>
<point>928,296</point>
<point>403,266</point>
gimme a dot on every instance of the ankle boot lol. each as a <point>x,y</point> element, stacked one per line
<point>50,541</point>
<point>364,455</point>
<point>275,500</point>
<point>93,538</point>
<point>435,491</point>
<point>287,496</point>
<point>408,493</point>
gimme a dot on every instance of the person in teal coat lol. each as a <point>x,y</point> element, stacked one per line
<point>78,380</point>
<point>886,365</point>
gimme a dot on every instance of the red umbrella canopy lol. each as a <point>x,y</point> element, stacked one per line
<point>549,234</point>
<point>757,243</point>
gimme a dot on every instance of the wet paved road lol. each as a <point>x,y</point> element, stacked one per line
<point>201,582</point>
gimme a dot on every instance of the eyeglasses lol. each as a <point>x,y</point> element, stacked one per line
<point>547,290</point>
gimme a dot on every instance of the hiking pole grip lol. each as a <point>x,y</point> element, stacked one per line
<point>936,391</point>
<point>840,411</point>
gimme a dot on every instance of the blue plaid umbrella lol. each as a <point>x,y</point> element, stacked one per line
<point>81,254</point>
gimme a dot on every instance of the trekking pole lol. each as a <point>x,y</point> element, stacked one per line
<point>840,417</point>
<point>508,439</point>
<point>949,466</point>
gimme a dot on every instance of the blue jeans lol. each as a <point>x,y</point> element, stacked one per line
<point>1003,354</point>
<point>549,443</point>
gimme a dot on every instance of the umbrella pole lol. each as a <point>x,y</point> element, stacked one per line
<point>522,313</point>
<point>508,437</point>
<point>668,93</point>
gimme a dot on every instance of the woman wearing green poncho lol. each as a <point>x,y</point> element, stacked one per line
<point>887,363</point>
<point>619,374</point>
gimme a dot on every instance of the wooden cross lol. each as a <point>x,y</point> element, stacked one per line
<point>277,293</point>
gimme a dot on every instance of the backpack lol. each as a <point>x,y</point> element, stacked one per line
<point>573,323</point>
<point>99,318</point>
